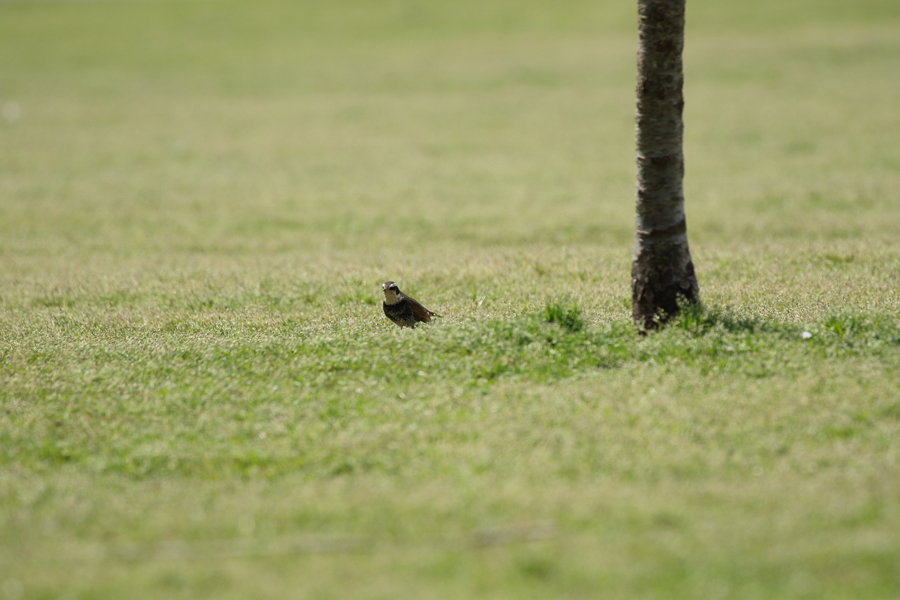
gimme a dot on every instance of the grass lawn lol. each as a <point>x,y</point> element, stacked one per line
<point>200,397</point>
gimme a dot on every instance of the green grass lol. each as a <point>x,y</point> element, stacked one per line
<point>200,397</point>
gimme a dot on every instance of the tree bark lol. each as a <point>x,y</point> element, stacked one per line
<point>662,273</point>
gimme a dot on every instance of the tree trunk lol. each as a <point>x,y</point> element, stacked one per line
<point>662,274</point>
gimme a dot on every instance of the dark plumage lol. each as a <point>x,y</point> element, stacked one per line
<point>401,309</point>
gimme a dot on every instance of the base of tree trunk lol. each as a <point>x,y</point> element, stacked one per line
<point>662,279</point>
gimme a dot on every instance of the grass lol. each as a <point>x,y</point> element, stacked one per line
<point>200,397</point>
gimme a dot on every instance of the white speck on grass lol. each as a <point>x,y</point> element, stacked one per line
<point>805,335</point>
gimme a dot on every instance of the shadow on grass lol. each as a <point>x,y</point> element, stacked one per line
<point>700,320</point>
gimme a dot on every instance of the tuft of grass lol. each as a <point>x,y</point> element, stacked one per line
<point>567,316</point>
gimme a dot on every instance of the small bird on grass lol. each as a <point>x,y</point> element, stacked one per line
<point>401,309</point>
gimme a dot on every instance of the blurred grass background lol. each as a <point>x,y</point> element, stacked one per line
<point>197,126</point>
<point>200,397</point>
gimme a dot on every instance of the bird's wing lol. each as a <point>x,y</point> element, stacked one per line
<point>421,313</point>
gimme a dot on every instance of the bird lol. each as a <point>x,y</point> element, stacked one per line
<point>403,310</point>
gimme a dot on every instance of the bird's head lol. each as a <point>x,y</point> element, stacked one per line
<point>392,294</point>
